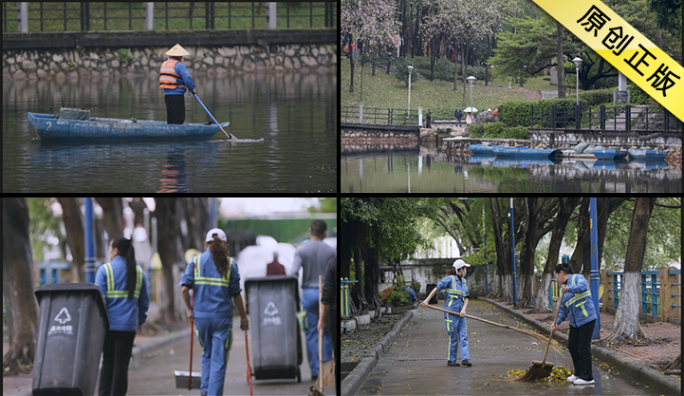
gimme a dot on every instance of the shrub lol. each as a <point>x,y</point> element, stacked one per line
<point>403,73</point>
<point>498,130</point>
<point>637,95</point>
<point>515,113</point>
<point>597,97</point>
<point>397,295</point>
<point>444,70</point>
<point>476,130</point>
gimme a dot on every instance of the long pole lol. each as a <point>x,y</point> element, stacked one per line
<point>515,279</point>
<point>471,97</point>
<point>577,85</point>
<point>89,245</point>
<point>409,98</point>
<point>594,266</point>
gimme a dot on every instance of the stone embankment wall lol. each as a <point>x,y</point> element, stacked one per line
<point>61,63</point>
<point>378,137</point>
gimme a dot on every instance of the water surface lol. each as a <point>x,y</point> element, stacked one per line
<point>296,114</point>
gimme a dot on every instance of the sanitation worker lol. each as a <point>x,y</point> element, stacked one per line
<point>175,79</point>
<point>313,256</point>
<point>216,281</point>
<point>124,286</point>
<point>456,300</point>
<point>578,307</point>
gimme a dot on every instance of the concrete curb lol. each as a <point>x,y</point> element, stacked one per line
<point>637,369</point>
<point>351,384</point>
<point>156,344</point>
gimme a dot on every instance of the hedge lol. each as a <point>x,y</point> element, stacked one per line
<point>498,130</point>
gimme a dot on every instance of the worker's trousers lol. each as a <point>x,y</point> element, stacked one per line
<point>456,327</point>
<point>310,305</point>
<point>216,337</point>
<point>579,345</point>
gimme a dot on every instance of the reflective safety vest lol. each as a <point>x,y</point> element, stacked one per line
<point>200,280</point>
<point>454,293</point>
<point>111,290</point>
<point>578,299</point>
<point>168,78</point>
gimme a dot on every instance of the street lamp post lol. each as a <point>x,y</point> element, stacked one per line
<point>410,69</point>
<point>471,80</point>
<point>578,62</point>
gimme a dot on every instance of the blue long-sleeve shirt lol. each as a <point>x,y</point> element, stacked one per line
<point>182,71</point>
<point>212,299</point>
<point>125,314</point>
<point>577,304</point>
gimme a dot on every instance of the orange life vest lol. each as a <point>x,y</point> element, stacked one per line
<point>168,78</point>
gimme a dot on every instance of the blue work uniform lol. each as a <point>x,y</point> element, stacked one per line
<point>213,313</point>
<point>578,305</point>
<point>456,293</point>
<point>125,314</point>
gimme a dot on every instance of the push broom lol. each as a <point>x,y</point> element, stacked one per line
<point>541,370</point>
<point>526,332</point>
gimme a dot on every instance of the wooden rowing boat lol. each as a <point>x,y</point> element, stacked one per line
<point>49,127</point>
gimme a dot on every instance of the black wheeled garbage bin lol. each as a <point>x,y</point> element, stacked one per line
<point>272,305</point>
<point>431,286</point>
<point>71,333</point>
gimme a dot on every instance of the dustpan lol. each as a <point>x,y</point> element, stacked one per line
<point>182,379</point>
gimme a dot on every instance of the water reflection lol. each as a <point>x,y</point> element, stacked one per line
<point>371,170</point>
<point>295,114</point>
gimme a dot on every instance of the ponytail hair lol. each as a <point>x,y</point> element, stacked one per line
<point>126,250</point>
<point>565,267</point>
<point>219,253</point>
<point>452,271</point>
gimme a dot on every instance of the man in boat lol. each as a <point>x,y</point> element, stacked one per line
<point>174,79</point>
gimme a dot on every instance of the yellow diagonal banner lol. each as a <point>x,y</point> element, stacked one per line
<point>624,47</point>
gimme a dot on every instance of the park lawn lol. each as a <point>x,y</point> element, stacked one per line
<point>385,91</point>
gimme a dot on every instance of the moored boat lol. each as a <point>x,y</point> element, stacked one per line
<point>482,149</point>
<point>608,154</point>
<point>646,154</point>
<point>504,151</point>
<point>50,127</point>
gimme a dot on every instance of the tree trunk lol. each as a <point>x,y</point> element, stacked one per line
<point>432,58</point>
<point>351,63</point>
<point>566,208</point>
<point>17,287</point>
<point>582,248</point>
<point>455,70</point>
<point>561,61</point>
<point>73,223</point>
<point>138,206</point>
<point>626,324</point>
<point>464,66</point>
<point>168,226</point>
<point>112,209</point>
<point>503,250</point>
<point>372,277</point>
<point>197,221</point>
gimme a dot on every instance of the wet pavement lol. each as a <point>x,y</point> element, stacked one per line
<point>416,362</point>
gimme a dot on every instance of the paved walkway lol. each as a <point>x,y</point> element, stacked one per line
<point>416,361</point>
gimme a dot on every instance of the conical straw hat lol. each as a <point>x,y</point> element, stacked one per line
<point>177,50</point>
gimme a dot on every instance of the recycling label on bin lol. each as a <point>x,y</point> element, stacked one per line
<point>62,318</point>
<point>271,318</point>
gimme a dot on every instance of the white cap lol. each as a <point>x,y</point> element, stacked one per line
<point>217,231</point>
<point>460,263</point>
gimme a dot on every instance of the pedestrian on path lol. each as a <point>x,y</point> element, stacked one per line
<point>175,79</point>
<point>456,300</point>
<point>313,256</point>
<point>215,278</point>
<point>458,114</point>
<point>578,307</point>
<point>328,308</point>
<point>428,118</point>
<point>124,286</point>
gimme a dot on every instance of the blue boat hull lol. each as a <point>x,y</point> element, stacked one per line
<point>479,149</point>
<point>503,151</point>
<point>51,128</point>
<point>610,154</point>
<point>647,155</point>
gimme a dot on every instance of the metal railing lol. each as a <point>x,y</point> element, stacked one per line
<point>379,116</point>
<point>636,118</point>
<point>84,16</point>
<point>615,279</point>
<point>649,281</point>
<point>676,272</point>
<point>345,286</point>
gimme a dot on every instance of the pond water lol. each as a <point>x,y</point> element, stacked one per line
<point>295,114</point>
<point>425,170</point>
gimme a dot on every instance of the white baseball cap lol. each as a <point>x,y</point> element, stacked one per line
<point>218,232</point>
<point>460,263</point>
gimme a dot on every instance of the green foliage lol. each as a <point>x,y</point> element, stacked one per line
<point>402,73</point>
<point>498,130</point>
<point>637,95</point>
<point>397,295</point>
<point>46,229</point>
<point>444,70</point>
<point>327,205</point>
<point>597,97</point>
<point>72,64</point>
<point>515,113</point>
<point>125,55</point>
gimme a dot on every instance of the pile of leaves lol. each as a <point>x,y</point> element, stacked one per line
<point>559,374</point>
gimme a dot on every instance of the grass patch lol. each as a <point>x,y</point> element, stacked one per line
<point>385,91</point>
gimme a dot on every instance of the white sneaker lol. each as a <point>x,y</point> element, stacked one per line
<point>580,381</point>
<point>572,378</point>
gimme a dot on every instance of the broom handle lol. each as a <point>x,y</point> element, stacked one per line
<point>192,328</point>
<point>474,317</point>
<point>560,301</point>
<point>320,337</point>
